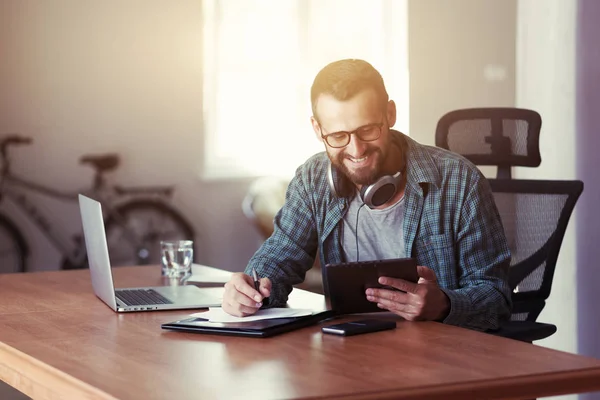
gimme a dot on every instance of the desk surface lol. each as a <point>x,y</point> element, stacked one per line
<point>57,340</point>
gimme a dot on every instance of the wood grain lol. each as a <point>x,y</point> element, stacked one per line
<point>57,340</point>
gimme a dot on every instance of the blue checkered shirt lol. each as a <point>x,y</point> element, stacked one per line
<point>451,224</point>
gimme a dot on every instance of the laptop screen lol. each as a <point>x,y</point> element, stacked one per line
<point>97,250</point>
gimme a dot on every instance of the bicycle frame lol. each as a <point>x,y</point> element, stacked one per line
<point>112,198</point>
<point>12,188</point>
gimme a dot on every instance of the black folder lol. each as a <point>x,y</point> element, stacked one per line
<point>261,328</point>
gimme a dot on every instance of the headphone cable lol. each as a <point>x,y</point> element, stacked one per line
<point>356,230</point>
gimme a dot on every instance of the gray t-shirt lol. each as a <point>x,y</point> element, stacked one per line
<point>379,232</point>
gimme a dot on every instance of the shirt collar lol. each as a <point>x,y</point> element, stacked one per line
<point>420,164</point>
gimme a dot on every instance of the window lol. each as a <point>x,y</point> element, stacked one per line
<point>260,58</point>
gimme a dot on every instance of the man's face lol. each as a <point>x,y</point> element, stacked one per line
<point>361,161</point>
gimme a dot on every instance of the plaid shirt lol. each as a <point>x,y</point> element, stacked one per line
<point>451,224</point>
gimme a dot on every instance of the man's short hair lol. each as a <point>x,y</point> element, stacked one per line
<point>344,79</point>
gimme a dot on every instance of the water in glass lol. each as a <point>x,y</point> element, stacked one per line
<point>177,256</point>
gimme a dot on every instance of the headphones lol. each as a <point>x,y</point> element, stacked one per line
<point>373,195</point>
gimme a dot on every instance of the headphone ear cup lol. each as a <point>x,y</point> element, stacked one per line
<point>381,191</point>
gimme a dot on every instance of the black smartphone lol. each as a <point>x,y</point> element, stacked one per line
<point>359,327</point>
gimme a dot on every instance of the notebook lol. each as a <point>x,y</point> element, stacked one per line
<point>258,329</point>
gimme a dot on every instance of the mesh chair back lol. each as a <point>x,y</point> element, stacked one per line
<point>535,215</point>
<point>504,137</point>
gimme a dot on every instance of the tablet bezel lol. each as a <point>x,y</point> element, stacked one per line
<point>345,283</point>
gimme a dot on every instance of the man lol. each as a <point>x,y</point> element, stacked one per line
<point>442,213</point>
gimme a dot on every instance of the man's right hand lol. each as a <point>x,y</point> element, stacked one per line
<point>240,298</point>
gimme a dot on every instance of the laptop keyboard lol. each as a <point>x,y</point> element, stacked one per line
<point>141,297</point>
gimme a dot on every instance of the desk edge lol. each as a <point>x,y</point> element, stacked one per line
<point>42,381</point>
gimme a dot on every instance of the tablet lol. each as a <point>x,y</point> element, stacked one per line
<point>259,329</point>
<point>345,283</point>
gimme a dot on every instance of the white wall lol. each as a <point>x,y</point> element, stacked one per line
<point>461,55</point>
<point>546,83</point>
<point>89,77</point>
<point>112,76</point>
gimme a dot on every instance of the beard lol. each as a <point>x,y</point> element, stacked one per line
<point>363,176</point>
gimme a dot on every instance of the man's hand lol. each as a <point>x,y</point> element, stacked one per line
<point>422,301</point>
<point>240,298</point>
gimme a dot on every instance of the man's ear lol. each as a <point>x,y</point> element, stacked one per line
<point>316,127</point>
<point>391,113</point>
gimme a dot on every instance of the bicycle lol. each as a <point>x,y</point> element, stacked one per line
<point>136,219</point>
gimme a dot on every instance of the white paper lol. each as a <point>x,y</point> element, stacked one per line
<point>204,274</point>
<point>216,314</point>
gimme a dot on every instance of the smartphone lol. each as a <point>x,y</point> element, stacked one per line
<point>359,327</point>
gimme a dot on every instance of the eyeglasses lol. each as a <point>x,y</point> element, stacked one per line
<point>366,133</point>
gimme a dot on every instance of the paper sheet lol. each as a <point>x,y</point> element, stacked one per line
<point>204,274</point>
<point>216,314</point>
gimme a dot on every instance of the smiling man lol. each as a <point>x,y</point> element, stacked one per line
<point>422,202</point>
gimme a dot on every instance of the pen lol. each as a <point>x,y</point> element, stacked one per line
<point>256,282</point>
<point>257,286</point>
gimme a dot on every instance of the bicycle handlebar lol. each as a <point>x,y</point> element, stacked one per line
<point>13,139</point>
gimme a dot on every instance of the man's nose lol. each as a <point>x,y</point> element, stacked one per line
<point>356,147</point>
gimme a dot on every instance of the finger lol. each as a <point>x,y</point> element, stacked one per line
<point>393,306</point>
<point>265,287</point>
<point>245,285</point>
<point>234,296</point>
<point>238,310</point>
<point>241,299</point>
<point>392,295</point>
<point>226,306</point>
<point>399,284</point>
<point>426,273</point>
<point>407,315</point>
<point>245,310</point>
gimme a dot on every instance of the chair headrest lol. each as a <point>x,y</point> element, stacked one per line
<point>499,136</point>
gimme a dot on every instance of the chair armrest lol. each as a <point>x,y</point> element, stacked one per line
<point>525,331</point>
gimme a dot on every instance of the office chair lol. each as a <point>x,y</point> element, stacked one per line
<point>534,213</point>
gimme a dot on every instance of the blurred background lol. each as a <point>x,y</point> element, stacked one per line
<point>212,95</point>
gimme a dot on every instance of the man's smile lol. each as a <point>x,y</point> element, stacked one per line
<point>360,162</point>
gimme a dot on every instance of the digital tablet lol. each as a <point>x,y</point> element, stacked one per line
<point>345,283</point>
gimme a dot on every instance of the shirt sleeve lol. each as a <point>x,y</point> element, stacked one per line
<point>285,257</point>
<point>484,297</point>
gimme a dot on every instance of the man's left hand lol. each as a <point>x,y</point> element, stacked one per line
<point>422,301</point>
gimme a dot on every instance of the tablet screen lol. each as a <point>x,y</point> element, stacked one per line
<point>346,283</point>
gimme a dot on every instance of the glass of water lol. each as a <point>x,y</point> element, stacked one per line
<point>176,256</point>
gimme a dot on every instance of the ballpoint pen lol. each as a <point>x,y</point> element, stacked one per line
<point>257,286</point>
<point>256,282</point>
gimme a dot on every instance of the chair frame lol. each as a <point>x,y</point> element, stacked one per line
<point>531,302</point>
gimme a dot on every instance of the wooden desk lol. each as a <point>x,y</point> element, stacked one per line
<point>57,340</point>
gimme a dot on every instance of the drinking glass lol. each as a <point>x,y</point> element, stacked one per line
<point>176,256</point>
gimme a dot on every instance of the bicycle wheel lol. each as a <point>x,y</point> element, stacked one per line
<point>13,250</point>
<point>135,229</point>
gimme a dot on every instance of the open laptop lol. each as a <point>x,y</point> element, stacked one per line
<point>133,299</point>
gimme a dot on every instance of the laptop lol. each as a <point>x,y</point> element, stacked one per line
<point>133,299</point>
